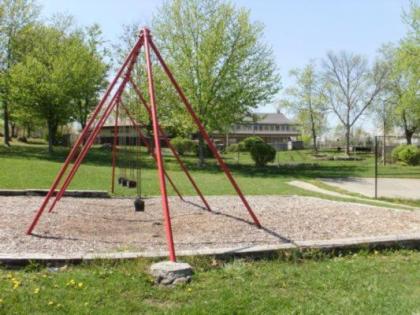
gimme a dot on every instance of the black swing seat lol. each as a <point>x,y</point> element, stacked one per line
<point>139,204</point>
<point>127,182</point>
<point>132,184</point>
<point>124,182</point>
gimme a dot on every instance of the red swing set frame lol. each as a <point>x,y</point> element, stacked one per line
<point>102,112</point>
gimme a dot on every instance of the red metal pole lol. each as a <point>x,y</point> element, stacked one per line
<point>114,147</point>
<point>165,206</point>
<point>204,134</point>
<point>81,138</point>
<point>174,152</point>
<point>149,149</point>
<point>80,158</point>
<point>90,142</point>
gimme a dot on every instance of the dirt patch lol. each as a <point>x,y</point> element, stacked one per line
<point>110,225</point>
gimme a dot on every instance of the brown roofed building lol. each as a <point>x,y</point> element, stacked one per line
<point>274,128</point>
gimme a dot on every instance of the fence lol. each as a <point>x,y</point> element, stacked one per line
<point>383,147</point>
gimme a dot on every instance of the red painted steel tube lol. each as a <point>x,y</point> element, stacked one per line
<point>133,55</point>
<point>135,50</point>
<point>81,138</point>
<point>165,206</point>
<point>99,125</point>
<point>90,142</point>
<point>204,134</point>
<point>114,148</point>
<point>149,149</point>
<point>174,152</point>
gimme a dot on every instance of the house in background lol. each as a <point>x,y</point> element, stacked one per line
<point>274,128</point>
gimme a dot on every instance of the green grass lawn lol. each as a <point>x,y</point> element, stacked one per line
<point>385,282</point>
<point>360,283</point>
<point>30,166</point>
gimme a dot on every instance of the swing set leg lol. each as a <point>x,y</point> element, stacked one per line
<point>114,147</point>
<point>161,176</point>
<point>204,134</point>
<point>81,139</point>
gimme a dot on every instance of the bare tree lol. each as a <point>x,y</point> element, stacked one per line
<point>351,87</point>
<point>306,99</point>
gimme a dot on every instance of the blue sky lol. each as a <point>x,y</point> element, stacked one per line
<point>297,30</point>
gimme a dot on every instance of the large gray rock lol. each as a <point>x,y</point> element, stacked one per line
<point>168,272</point>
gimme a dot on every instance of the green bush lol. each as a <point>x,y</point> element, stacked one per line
<point>262,153</point>
<point>249,142</point>
<point>396,152</point>
<point>409,155</point>
<point>183,145</point>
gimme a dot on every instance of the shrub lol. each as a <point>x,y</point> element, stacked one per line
<point>262,153</point>
<point>396,152</point>
<point>249,142</point>
<point>409,155</point>
<point>183,145</point>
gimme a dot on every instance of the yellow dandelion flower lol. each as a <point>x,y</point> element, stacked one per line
<point>86,303</point>
<point>80,285</point>
<point>189,290</point>
<point>16,285</point>
<point>50,303</point>
<point>1,301</point>
<point>36,290</point>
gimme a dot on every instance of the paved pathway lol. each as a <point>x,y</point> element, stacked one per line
<point>311,187</point>
<point>406,188</point>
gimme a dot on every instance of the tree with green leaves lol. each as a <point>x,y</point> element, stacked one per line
<point>407,71</point>
<point>306,99</point>
<point>218,56</point>
<point>16,15</point>
<point>90,72</point>
<point>51,78</point>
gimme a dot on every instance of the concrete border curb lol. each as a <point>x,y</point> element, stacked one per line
<point>389,241</point>
<point>43,192</point>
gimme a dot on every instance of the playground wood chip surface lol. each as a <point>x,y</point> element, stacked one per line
<point>110,225</point>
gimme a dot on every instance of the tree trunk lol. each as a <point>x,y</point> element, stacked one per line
<point>408,135</point>
<point>408,132</point>
<point>14,133</point>
<point>201,153</point>
<point>347,140</point>
<point>52,130</point>
<point>314,140</point>
<point>6,124</point>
